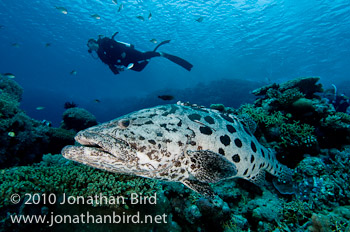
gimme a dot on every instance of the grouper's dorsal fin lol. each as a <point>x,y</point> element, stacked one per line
<point>210,167</point>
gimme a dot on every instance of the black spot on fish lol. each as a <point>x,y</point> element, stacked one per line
<point>193,143</point>
<point>227,118</point>
<point>194,117</point>
<point>263,153</point>
<point>236,158</point>
<point>246,130</point>
<point>231,129</point>
<point>149,122</point>
<point>179,123</point>
<point>245,172</point>
<point>159,134</point>
<point>205,130</point>
<point>165,114</point>
<point>252,158</point>
<point>152,115</point>
<point>180,143</point>
<point>141,138</point>
<point>253,146</point>
<point>225,140</point>
<point>253,167</point>
<point>209,120</point>
<point>152,141</point>
<point>221,151</point>
<point>238,142</point>
<point>159,146</point>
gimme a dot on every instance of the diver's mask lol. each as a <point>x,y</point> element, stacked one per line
<point>90,43</point>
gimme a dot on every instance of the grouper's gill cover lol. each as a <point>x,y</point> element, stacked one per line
<point>192,145</point>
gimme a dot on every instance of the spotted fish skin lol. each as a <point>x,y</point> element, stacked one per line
<point>192,145</point>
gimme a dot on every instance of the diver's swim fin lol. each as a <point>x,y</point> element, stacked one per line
<point>177,60</point>
<point>115,33</point>
<point>160,44</point>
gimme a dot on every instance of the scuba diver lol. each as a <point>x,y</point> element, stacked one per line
<point>118,55</point>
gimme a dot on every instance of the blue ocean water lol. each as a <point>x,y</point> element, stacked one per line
<point>263,41</point>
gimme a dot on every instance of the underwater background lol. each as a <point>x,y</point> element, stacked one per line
<point>262,41</point>
<point>294,54</point>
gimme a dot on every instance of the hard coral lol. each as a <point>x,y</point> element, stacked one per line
<point>57,175</point>
<point>77,119</point>
<point>10,87</point>
<point>306,85</point>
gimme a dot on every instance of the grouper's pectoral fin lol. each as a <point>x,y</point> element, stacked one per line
<point>210,167</point>
<point>200,187</point>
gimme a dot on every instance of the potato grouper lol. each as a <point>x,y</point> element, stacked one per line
<point>192,145</point>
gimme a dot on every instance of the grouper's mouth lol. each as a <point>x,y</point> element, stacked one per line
<point>92,143</point>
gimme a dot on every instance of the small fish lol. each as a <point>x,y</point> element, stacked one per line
<point>153,41</point>
<point>47,45</point>
<point>11,134</point>
<point>46,123</point>
<point>9,75</point>
<point>130,66</point>
<point>200,19</point>
<point>115,2</point>
<point>120,7</point>
<point>95,16</point>
<point>16,45</point>
<point>166,97</point>
<point>141,18</point>
<point>40,108</point>
<point>150,15</point>
<point>97,101</point>
<point>73,72</point>
<point>62,9</point>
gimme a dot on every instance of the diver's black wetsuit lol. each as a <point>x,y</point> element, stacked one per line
<point>115,53</point>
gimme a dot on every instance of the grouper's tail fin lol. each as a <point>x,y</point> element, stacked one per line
<point>160,44</point>
<point>177,60</point>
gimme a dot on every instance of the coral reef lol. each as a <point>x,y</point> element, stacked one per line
<point>293,118</point>
<point>77,119</point>
<point>23,140</point>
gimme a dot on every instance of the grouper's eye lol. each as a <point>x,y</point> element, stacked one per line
<point>124,123</point>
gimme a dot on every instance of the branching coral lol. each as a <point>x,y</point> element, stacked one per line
<point>338,120</point>
<point>57,175</point>
<point>297,134</point>
<point>262,116</point>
